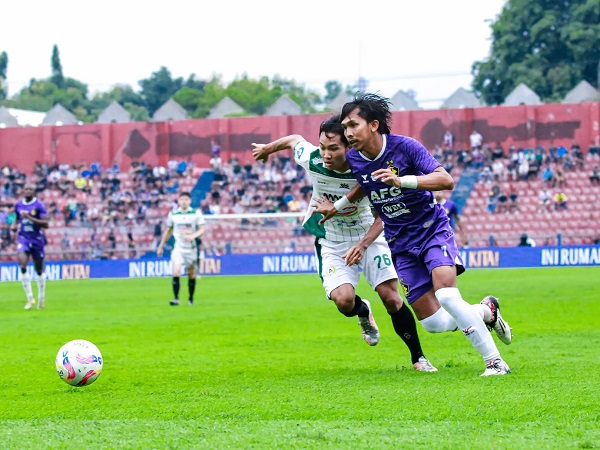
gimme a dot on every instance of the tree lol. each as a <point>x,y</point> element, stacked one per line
<point>159,88</point>
<point>57,74</point>
<point>3,65</point>
<point>549,45</point>
<point>332,89</point>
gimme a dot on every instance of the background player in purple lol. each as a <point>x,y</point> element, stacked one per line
<point>455,218</point>
<point>398,175</point>
<point>31,218</point>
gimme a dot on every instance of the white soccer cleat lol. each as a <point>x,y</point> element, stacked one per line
<point>40,304</point>
<point>174,302</point>
<point>29,304</point>
<point>497,323</point>
<point>423,365</point>
<point>496,367</point>
<point>368,327</point>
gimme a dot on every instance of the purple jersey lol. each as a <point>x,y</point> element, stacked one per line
<point>409,215</point>
<point>27,229</point>
<point>451,209</point>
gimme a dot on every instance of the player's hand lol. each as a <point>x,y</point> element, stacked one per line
<point>259,153</point>
<point>354,255</point>
<point>159,252</point>
<point>26,215</point>
<point>387,176</point>
<point>325,207</point>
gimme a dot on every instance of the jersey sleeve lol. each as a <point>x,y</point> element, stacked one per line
<point>302,152</point>
<point>43,210</point>
<point>422,160</point>
<point>170,220</point>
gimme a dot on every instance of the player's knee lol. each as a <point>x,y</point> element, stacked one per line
<point>392,303</point>
<point>344,303</point>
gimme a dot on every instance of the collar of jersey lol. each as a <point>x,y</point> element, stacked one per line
<point>384,139</point>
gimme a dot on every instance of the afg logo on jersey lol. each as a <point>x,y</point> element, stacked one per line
<point>348,211</point>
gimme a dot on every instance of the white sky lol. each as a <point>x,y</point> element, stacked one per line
<point>428,46</point>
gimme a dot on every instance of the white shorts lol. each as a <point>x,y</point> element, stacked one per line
<point>185,259</point>
<point>376,264</point>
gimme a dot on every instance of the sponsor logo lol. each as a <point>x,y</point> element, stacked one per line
<point>344,186</point>
<point>331,270</point>
<point>468,331</point>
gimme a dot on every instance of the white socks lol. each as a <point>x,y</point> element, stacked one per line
<point>41,282</point>
<point>439,322</point>
<point>26,280</point>
<point>442,321</point>
<point>469,320</point>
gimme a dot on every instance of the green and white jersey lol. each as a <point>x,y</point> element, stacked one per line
<point>184,223</point>
<point>351,223</point>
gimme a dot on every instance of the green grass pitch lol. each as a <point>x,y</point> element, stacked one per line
<point>268,363</point>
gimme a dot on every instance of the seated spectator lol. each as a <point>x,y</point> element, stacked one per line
<point>502,203</point>
<point>595,176</point>
<point>526,241</point>
<point>560,201</point>
<point>499,170</point>
<point>497,152</point>
<point>547,176</point>
<point>485,175</point>
<point>559,177</point>
<point>593,150</point>
<point>181,168</point>
<point>514,201</point>
<point>523,169</point>
<point>545,200</point>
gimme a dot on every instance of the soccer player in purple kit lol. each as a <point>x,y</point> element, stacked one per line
<point>398,174</point>
<point>455,218</point>
<point>31,218</point>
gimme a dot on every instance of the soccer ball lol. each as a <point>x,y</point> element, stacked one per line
<point>79,363</point>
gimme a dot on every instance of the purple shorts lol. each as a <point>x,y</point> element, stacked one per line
<point>414,266</point>
<point>33,247</point>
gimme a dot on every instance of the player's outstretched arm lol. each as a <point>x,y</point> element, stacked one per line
<point>328,209</point>
<point>438,180</point>
<point>261,152</point>
<point>357,251</point>
<point>167,234</point>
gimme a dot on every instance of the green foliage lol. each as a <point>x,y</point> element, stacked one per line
<point>332,90</point>
<point>3,65</point>
<point>269,363</point>
<point>254,96</point>
<point>57,73</point>
<point>550,46</point>
<point>159,88</point>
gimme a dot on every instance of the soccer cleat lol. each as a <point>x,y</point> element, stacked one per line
<point>40,304</point>
<point>368,327</point>
<point>500,326</point>
<point>174,302</point>
<point>423,365</point>
<point>29,304</point>
<point>191,302</point>
<point>496,367</point>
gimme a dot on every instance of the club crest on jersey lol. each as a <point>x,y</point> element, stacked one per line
<point>405,287</point>
<point>33,212</point>
<point>331,270</point>
<point>393,168</point>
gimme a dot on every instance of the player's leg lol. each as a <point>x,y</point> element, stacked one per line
<point>41,282</point>
<point>441,258</point>
<point>379,272</point>
<point>177,261</point>
<point>23,259</point>
<point>339,282</point>
<point>436,319</point>
<point>191,273</point>
<point>37,254</point>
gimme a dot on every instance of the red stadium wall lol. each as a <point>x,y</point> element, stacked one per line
<point>158,142</point>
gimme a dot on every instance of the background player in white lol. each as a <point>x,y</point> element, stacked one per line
<point>186,224</point>
<point>348,242</point>
<point>31,218</point>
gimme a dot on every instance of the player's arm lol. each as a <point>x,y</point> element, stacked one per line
<point>166,235</point>
<point>261,152</point>
<point>198,233</point>
<point>328,209</point>
<point>42,222</point>
<point>357,251</point>
<point>438,180</point>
